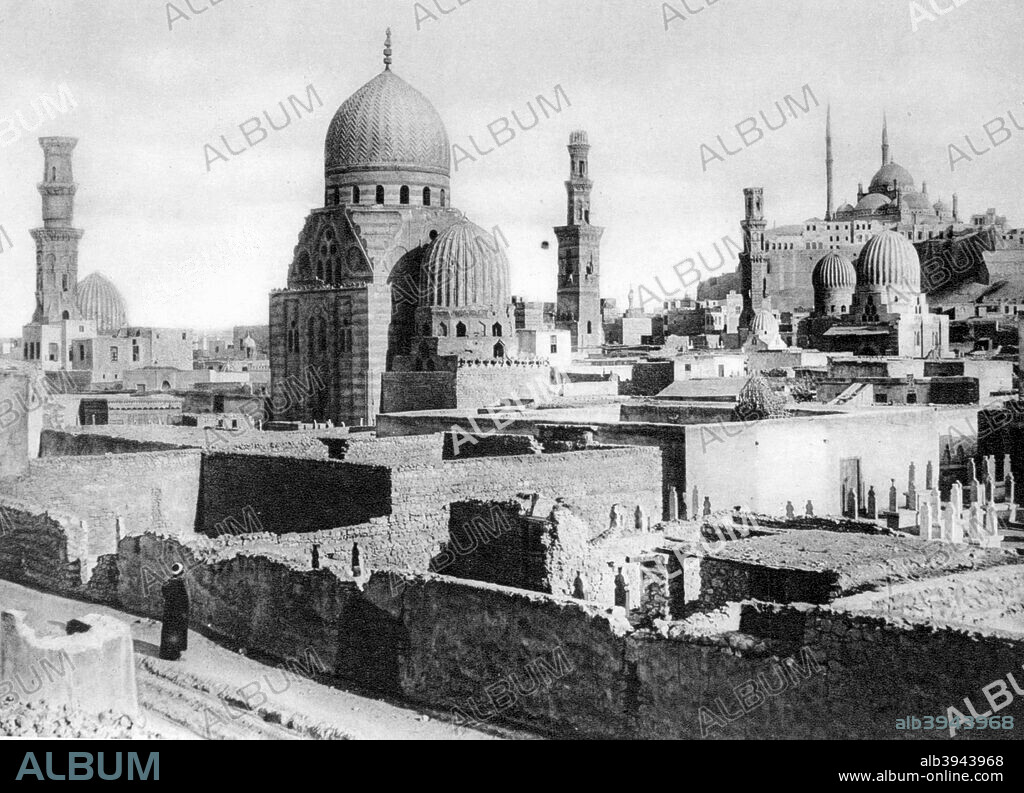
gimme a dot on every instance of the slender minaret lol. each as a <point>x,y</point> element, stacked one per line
<point>885,140</point>
<point>57,240</point>
<point>828,162</point>
<point>579,254</point>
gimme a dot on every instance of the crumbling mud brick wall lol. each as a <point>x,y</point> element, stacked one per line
<point>880,669</point>
<point>367,449</point>
<point>291,495</point>
<point>266,602</point>
<point>589,482</point>
<point>154,491</point>
<point>55,443</point>
<point>40,549</point>
<point>573,668</point>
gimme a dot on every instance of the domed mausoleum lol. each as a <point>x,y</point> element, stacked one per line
<point>393,296</point>
<point>888,313</point>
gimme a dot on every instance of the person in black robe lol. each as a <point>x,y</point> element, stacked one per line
<point>174,634</point>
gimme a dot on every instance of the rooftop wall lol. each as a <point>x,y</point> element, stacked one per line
<point>761,465</point>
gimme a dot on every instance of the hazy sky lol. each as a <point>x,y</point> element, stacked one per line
<point>189,247</point>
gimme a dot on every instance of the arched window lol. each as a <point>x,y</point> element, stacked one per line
<point>426,196</point>
<point>403,195</point>
<point>355,195</point>
<point>380,194</point>
<point>64,282</point>
<point>444,198</point>
<point>320,270</point>
<point>53,174</point>
<point>499,350</point>
<point>460,330</point>
<point>496,330</point>
<point>66,315</point>
<point>443,330</point>
<point>590,328</point>
<point>345,340</point>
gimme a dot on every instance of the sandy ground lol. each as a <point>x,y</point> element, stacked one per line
<point>216,693</point>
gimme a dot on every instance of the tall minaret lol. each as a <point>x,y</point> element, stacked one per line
<point>753,261</point>
<point>828,162</point>
<point>579,254</point>
<point>885,140</point>
<point>57,240</point>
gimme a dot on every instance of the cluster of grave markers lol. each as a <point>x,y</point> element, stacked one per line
<point>972,513</point>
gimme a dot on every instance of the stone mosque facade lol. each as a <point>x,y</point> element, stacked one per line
<point>394,297</point>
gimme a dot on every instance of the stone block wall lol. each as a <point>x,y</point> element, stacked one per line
<point>404,392</point>
<point>982,597</point>
<point>723,581</point>
<point>155,491</point>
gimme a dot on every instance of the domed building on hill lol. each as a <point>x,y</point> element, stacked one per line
<point>394,297</point>
<point>778,264</point>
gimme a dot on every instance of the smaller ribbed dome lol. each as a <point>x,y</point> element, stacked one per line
<point>834,271</point>
<point>99,300</point>
<point>466,268</point>
<point>764,325</point>
<point>873,202</point>
<point>889,260</point>
<point>845,208</point>
<point>941,207</point>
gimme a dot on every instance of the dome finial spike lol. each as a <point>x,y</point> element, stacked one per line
<point>387,52</point>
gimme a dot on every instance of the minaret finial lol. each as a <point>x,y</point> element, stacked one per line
<point>885,138</point>
<point>387,52</point>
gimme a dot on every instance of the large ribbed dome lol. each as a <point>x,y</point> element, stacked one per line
<point>387,125</point>
<point>466,268</point>
<point>889,260</point>
<point>99,300</point>
<point>889,174</point>
<point>834,271</point>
